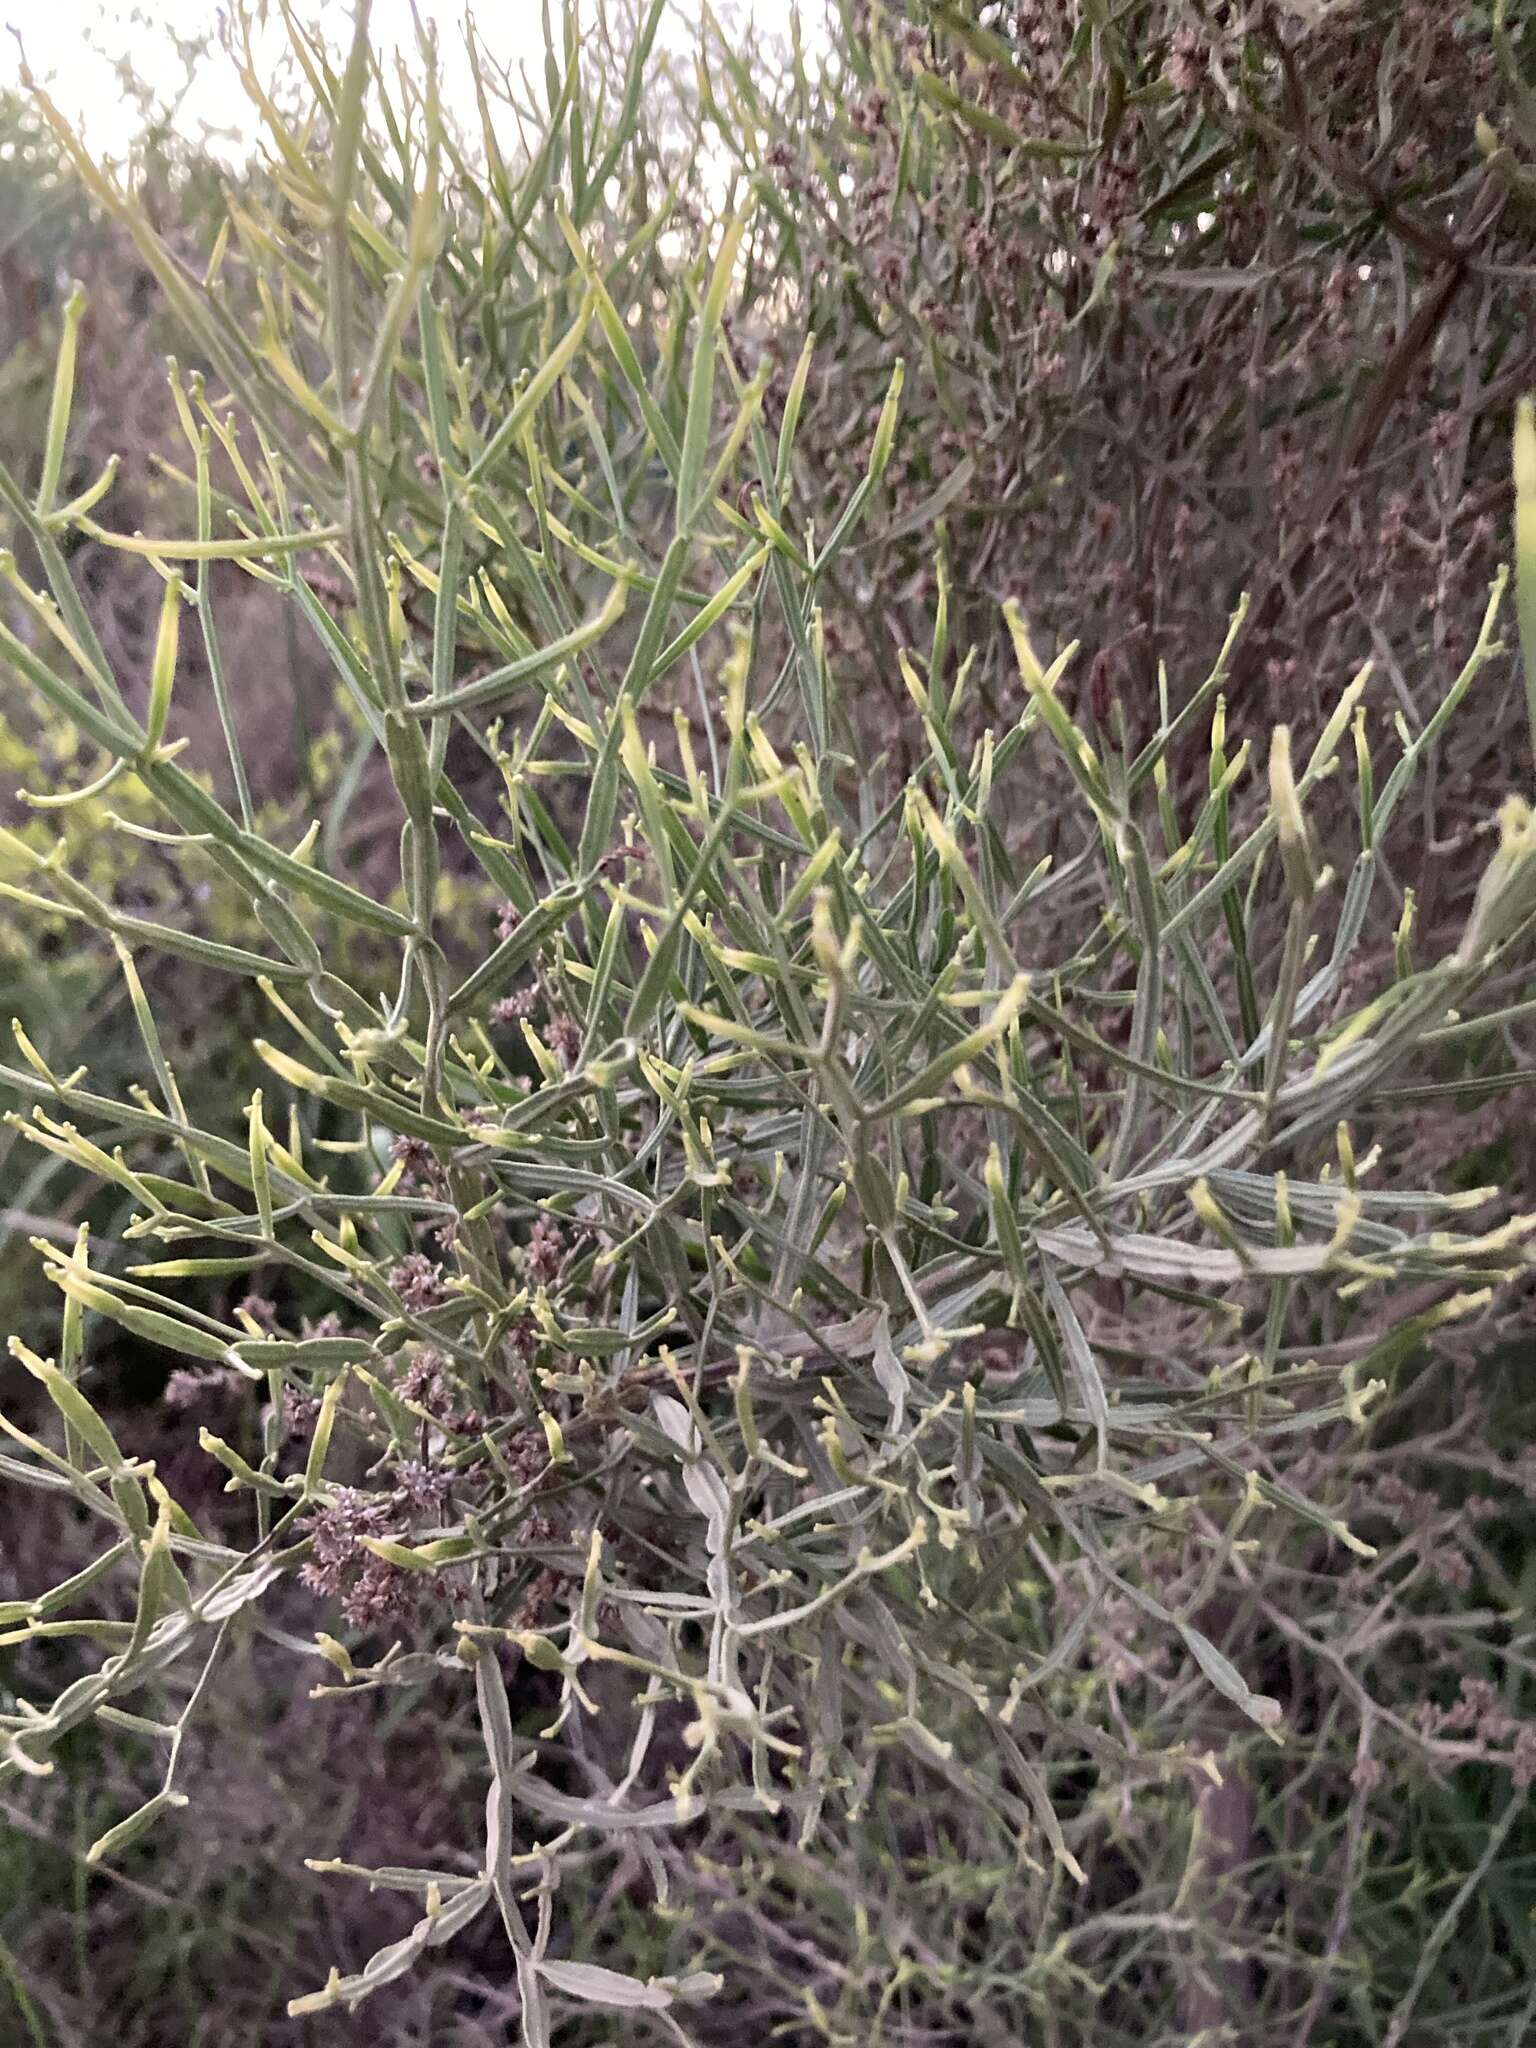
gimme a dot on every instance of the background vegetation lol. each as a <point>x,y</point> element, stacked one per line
<point>1099,1607</point>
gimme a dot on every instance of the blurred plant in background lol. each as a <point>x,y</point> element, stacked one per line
<point>781,1309</point>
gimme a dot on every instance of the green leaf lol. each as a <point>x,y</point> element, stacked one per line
<point>1525,548</point>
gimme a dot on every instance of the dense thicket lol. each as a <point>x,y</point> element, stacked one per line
<point>763,1190</point>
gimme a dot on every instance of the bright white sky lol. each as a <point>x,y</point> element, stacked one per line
<point>71,46</point>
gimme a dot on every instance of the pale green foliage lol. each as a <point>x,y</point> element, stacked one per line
<point>927,1220</point>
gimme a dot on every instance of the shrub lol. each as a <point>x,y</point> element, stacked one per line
<point>813,1320</point>
<point>1196,300</point>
